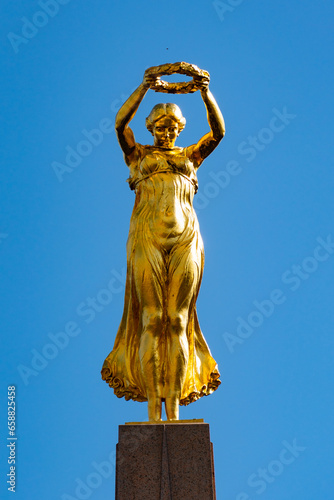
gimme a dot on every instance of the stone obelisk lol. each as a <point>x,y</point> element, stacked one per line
<point>165,461</point>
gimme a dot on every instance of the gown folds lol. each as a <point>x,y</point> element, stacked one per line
<point>165,259</point>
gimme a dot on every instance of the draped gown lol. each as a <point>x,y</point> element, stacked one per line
<point>165,259</point>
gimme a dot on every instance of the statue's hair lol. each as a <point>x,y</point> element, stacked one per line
<point>161,110</point>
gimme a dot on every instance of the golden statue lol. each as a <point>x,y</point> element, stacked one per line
<point>160,354</point>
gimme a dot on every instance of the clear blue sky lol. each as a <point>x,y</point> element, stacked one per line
<point>265,206</point>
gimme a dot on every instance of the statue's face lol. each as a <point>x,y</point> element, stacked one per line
<point>165,132</point>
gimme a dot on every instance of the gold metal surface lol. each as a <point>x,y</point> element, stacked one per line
<point>160,354</point>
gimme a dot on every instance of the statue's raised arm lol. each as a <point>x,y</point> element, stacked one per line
<point>209,141</point>
<point>127,112</point>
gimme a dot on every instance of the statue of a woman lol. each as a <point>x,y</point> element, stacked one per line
<point>160,354</point>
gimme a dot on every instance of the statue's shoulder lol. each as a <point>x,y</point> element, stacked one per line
<point>137,152</point>
<point>191,154</point>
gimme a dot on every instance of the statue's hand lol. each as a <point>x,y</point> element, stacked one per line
<point>202,82</point>
<point>149,79</point>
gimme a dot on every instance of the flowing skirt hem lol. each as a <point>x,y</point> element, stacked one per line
<point>130,392</point>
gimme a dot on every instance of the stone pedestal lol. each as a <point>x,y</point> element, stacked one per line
<point>165,461</point>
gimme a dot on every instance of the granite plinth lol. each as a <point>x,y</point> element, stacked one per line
<point>165,461</point>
